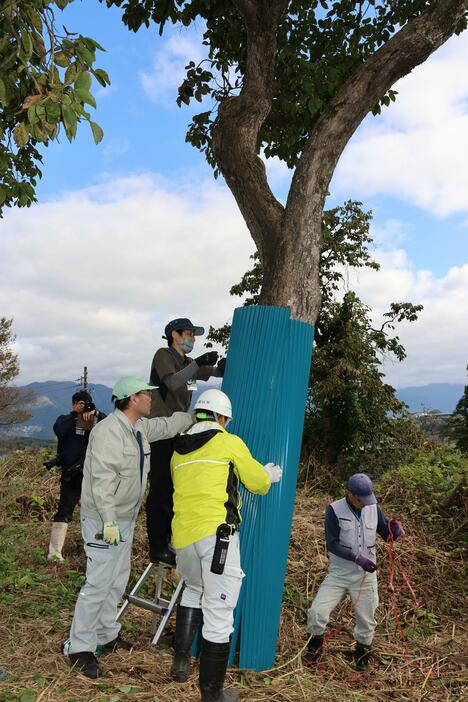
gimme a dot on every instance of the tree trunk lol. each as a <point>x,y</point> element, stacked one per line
<point>291,273</point>
<point>288,238</point>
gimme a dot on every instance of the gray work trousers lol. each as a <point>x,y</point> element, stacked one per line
<point>361,587</point>
<point>107,573</point>
<point>215,594</point>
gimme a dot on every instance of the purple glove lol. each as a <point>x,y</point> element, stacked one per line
<point>396,528</point>
<point>366,564</point>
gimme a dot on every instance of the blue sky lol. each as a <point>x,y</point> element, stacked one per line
<point>91,267</point>
<point>140,133</point>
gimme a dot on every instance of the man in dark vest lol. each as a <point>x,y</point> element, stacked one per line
<point>176,375</point>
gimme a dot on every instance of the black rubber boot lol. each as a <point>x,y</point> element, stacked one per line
<point>188,620</point>
<point>363,653</point>
<point>213,664</point>
<point>314,651</point>
<point>165,554</point>
<point>86,663</point>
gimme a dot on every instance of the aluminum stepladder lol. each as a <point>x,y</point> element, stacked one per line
<point>158,605</point>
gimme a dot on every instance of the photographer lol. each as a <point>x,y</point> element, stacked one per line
<point>73,432</point>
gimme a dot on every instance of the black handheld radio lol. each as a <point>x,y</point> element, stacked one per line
<point>223,533</point>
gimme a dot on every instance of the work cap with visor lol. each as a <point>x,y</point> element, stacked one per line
<point>130,385</point>
<point>182,324</point>
<point>361,486</point>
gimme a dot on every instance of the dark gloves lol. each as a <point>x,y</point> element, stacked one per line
<point>396,528</point>
<point>221,366</point>
<point>366,564</point>
<point>207,359</point>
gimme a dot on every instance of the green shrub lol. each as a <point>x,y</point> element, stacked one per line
<point>427,483</point>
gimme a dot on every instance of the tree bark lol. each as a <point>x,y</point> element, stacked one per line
<point>240,118</point>
<point>288,239</point>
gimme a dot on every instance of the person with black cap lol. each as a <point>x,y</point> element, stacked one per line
<point>72,431</point>
<point>176,374</point>
<point>350,528</point>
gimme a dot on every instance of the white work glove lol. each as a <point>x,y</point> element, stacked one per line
<point>274,472</point>
<point>111,533</point>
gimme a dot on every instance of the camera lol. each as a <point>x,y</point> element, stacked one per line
<point>89,407</point>
<point>57,461</point>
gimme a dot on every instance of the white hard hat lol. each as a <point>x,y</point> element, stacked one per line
<point>215,401</point>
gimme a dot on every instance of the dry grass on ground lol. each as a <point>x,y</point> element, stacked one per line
<point>37,600</point>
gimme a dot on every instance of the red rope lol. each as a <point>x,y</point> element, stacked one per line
<point>395,560</point>
<point>395,567</point>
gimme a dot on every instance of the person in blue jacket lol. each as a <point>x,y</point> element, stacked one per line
<point>351,525</point>
<point>72,431</point>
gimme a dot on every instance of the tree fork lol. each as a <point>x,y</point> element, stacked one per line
<point>288,239</point>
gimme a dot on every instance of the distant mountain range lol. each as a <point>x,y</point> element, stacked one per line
<point>436,396</point>
<point>54,398</point>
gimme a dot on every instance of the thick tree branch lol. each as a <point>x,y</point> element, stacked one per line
<point>288,239</point>
<point>411,46</point>
<point>240,118</point>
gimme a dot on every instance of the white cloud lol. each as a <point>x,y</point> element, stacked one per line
<point>416,149</point>
<point>114,149</point>
<point>168,67</point>
<point>278,174</point>
<point>437,343</point>
<point>92,277</point>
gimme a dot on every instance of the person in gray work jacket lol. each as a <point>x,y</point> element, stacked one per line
<point>351,525</point>
<point>176,375</point>
<point>114,481</point>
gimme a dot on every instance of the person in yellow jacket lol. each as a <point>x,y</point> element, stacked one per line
<point>207,468</point>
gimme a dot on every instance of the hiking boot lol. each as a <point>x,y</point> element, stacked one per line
<point>314,651</point>
<point>86,663</point>
<point>115,644</point>
<point>363,653</point>
<point>188,620</point>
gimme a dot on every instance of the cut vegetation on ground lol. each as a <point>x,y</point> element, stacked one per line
<point>37,599</point>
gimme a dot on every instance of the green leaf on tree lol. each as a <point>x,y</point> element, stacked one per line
<point>85,96</point>
<point>83,81</point>
<point>97,132</point>
<point>21,135</point>
<point>61,59</point>
<point>102,77</point>
<point>69,116</point>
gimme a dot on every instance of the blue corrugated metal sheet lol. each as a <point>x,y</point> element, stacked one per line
<point>267,373</point>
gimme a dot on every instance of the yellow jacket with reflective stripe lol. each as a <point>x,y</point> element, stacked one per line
<point>207,467</point>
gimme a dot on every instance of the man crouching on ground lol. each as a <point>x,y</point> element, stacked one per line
<point>114,481</point>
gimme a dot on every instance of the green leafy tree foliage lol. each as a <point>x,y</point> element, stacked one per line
<point>294,78</point>
<point>12,400</point>
<point>45,82</point>
<point>353,418</point>
<point>456,427</point>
